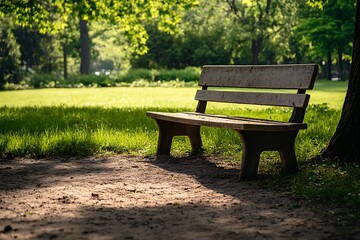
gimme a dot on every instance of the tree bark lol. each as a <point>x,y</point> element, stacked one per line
<point>85,53</point>
<point>256,44</point>
<point>328,67</point>
<point>255,50</point>
<point>65,60</point>
<point>340,59</point>
<point>344,146</point>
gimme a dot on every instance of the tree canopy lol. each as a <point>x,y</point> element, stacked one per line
<point>51,16</point>
<point>213,32</point>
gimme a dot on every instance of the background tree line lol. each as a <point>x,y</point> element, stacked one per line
<point>212,32</point>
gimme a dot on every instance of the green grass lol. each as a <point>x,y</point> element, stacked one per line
<point>49,131</point>
<point>329,92</point>
<point>332,93</point>
<point>87,121</point>
<point>83,122</point>
<point>335,188</point>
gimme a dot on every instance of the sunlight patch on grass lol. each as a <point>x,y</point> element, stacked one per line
<point>332,93</point>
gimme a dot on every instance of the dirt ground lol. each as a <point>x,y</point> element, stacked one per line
<point>122,197</point>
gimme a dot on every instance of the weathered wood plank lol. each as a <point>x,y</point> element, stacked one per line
<point>299,76</point>
<point>268,99</point>
<point>237,123</point>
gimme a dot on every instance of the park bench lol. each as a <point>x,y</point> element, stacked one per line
<point>226,83</point>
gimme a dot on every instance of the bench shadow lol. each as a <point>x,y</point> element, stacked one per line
<point>210,171</point>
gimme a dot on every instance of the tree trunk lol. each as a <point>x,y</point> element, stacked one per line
<point>328,66</point>
<point>345,144</point>
<point>256,46</point>
<point>340,59</point>
<point>85,53</point>
<point>255,52</point>
<point>65,60</point>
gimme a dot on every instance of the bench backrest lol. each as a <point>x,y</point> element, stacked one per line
<point>298,76</point>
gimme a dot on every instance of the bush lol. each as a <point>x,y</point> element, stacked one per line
<point>189,74</point>
<point>12,86</point>
<point>90,81</point>
<point>145,83</point>
<point>134,77</point>
<point>137,74</point>
<point>43,80</point>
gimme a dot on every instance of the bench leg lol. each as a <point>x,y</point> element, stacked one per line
<point>195,139</point>
<point>164,142</point>
<point>255,142</point>
<point>249,163</point>
<point>168,130</point>
<point>288,157</point>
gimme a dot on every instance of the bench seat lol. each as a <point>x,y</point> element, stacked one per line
<point>222,121</point>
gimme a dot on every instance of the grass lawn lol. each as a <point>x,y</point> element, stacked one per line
<point>89,121</point>
<point>329,92</point>
<point>98,120</point>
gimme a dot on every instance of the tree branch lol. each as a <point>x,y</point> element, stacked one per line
<point>235,10</point>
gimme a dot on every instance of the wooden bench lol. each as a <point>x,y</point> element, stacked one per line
<point>257,135</point>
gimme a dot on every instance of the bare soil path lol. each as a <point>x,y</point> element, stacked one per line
<point>122,197</point>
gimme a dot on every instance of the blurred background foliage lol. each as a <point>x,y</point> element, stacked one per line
<point>169,41</point>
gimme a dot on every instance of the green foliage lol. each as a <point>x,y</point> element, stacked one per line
<point>51,16</point>
<point>9,54</point>
<point>43,80</point>
<point>202,39</point>
<point>136,74</point>
<point>165,84</point>
<point>317,3</point>
<point>110,48</point>
<point>282,32</point>
<point>89,80</point>
<point>40,53</point>
<point>328,29</point>
<point>134,78</point>
<point>266,27</point>
<point>189,74</point>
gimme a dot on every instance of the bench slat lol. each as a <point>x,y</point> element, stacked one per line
<point>238,123</point>
<point>268,99</point>
<point>299,76</point>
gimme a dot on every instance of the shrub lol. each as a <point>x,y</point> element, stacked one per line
<point>188,74</point>
<point>134,77</point>
<point>90,80</point>
<point>43,80</point>
<point>137,74</point>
